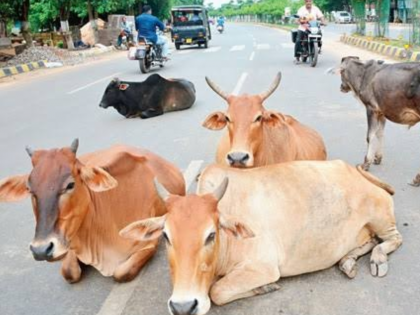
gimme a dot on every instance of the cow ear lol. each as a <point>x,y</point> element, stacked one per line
<point>97,179</point>
<point>234,227</point>
<point>14,188</point>
<point>215,121</point>
<point>273,119</point>
<point>144,230</point>
<point>123,86</point>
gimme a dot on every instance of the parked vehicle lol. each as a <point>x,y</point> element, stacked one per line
<point>190,26</point>
<point>149,55</point>
<point>311,42</point>
<point>342,17</point>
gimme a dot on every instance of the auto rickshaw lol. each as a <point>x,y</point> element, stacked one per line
<point>190,26</point>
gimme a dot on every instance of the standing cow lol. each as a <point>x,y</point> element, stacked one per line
<point>236,240</point>
<point>80,204</point>
<point>257,136</point>
<point>388,91</point>
<point>152,97</point>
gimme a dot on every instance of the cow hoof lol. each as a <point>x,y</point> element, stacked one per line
<point>267,288</point>
<point>349,267</point>
<point>416,181</point>
<point>378,269</point>
<point>366,166</point>
<point>377,160</point>
<point>378,262</point>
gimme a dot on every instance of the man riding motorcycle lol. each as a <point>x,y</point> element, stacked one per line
<point>146,25</point>
<point>306,13</point>
<point>125,31</point>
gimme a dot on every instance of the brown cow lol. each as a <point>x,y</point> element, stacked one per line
<point>80,204</point>
<point>257,136</point>
<point>305,215</point>
<point>388,91</point>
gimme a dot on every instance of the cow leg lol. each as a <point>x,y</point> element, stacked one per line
<point>383,225</point>
<point>129,269</point>
<point>348,263</point>
<point>70,268</point>
<point>151,112</point>
<point>372,140</point>
<point>245,282</point>
<point>380,137</point>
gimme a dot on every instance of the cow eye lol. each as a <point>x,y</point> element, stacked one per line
<point>259,118</point>
<point>70,186</point>
<point>227,119</point>
<point>210,238</point>
<point>165,236</point>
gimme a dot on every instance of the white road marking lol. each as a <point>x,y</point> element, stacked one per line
<point>241,82</point>
<point>288,45</point>
<point>93,83</point>
<point>237,48</point>
<point>263,46</point>
<point>212,49</point>
<point>191,173</point>
<point>184,52</point>
<point>252,56</point>
<point>121,293</point>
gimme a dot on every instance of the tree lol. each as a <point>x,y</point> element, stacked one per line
<point>64,8</point>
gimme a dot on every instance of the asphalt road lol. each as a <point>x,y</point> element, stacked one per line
<point>51,110</point>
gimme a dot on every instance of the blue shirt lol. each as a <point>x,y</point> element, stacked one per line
<point>146,26</point>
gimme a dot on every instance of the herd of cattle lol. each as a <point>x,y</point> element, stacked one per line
<point>271,206</point>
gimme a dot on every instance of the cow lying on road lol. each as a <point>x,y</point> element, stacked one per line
<point>236,240</point>
<point>388,91</point>
<point>257,136</point>
<point>81,204</point>
<point>152,97</point>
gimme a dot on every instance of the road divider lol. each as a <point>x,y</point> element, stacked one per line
<point>26,67</point>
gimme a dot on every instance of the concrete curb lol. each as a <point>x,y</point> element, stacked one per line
<point>382,49</point>
<point>26,67</point>
<point>22,68</point>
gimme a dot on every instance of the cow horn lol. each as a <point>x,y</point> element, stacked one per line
<point>74,145</point>
<point>162,192</point>
<point>219,192</point>
<point>29,150</point>
<point>272,88</point>
<point>215,88</point>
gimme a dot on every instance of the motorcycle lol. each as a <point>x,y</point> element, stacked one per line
<point>311,42</point>
<point>149,55</point>
<point>127,40</point>
<point>220,28</point>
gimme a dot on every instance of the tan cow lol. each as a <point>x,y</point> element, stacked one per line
<point>258,137</point>
<point>80,205</point>
<point>275,221</point>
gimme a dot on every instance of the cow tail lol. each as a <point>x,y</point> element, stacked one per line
<point>376,181</point>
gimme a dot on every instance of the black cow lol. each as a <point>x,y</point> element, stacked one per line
<point>388,91</point>
<point>149,98</point>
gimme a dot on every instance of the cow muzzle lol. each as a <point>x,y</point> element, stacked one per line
<point>192,306</point>
<point>49,250</point>
<point>103,105</point>
<point>239,159</point>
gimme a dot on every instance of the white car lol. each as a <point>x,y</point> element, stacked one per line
<point>343,17</point>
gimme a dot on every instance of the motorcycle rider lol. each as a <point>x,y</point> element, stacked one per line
<point>125,31</point>
<point>221,22</point>
<point>306,13</point>
<point>146,25</point>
